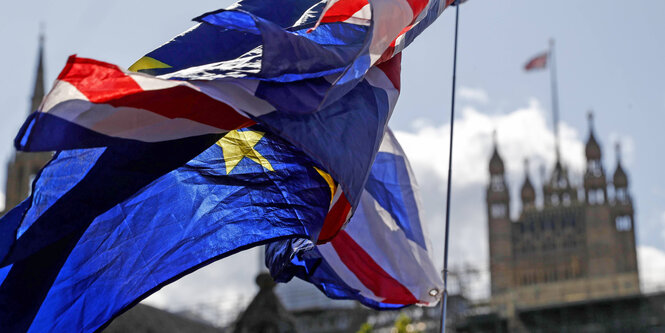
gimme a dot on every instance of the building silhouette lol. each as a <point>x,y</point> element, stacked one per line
<point>23,167</point>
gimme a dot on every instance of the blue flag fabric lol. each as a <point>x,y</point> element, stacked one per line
<point>247,189</point>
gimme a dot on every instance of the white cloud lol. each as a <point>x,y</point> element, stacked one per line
<point>521,134</point>
<point>473,95</point>
<point>652,268</point>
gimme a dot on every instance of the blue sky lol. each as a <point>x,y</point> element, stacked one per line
<point>609,59</point>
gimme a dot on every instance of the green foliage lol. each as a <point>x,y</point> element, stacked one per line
<point>402,322</point>
<point>366,328</point>
<point>403,325</point>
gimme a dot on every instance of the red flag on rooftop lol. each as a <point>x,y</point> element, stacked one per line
<point>537,62</point>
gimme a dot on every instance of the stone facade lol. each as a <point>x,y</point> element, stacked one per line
<point>578,245</point>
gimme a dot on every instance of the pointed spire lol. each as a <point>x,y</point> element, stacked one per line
<point>620,179</point>
<point>592,149</point>
<point>39,91</point>
<point>496,163</point>
<point>494,136</point>
<point>528,192</point>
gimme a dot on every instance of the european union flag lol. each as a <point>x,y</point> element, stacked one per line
<point>106,227</point>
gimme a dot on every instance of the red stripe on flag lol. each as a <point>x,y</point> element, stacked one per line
<point>184,102</point>
<point>392,68</point>
<point>417,6</point>
<point>343,10</point>
<point>370,274</point>
<point>104,83</point>
<point>334,220</point>
<point>98,81</point>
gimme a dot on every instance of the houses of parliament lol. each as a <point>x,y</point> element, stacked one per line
<point>566,261</point>
<point>579,244</point>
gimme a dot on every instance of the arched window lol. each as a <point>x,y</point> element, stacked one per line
<point>596,196</point>
<point>621,195</point>
<point>566,199</point>
<point>623,223</point>
<point>595,168</point>
<point>496,183</point>
<point>498,210</point>
<point>600,196</point>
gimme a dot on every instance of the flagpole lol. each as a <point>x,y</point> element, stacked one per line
<point>555,99</point>
<point>450,172</point>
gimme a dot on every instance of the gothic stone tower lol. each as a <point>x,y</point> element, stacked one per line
<point>23,167</point>
<point>578,245</point>
<point>498,215</point>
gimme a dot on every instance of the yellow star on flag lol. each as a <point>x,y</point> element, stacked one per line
<point>237,145</point>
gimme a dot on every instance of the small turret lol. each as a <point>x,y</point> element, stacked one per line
<point>595,184</point>
<point>528,192</point>
<point>592,149</point>
<point>620,180</point>
<point>496,169</point>
<point>496,162</point>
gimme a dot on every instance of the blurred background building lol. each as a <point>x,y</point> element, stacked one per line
<point>568,261</point>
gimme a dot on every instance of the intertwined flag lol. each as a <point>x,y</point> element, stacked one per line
<point>266,65</point>
<point>161,170</point>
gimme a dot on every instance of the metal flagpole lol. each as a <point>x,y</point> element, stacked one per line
<point>555,97</point>
<point>450,169</point>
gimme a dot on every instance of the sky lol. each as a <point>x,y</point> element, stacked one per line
<point>609,60</point>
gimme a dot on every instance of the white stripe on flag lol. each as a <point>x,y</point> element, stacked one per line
<point>332,258</point>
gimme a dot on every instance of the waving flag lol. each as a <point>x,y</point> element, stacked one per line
<point>381,257</point>
<point>288,69</point>
<point>248,188</point>
<point>537,62</point>
<point>139,194</point>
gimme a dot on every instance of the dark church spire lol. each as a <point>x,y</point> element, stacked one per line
<point>38,90</point>
<point>496,162</point>
<point>592,149</point>
<point>620,179</point>
<point>528,192</point>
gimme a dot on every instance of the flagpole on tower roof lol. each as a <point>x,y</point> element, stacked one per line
<point>555,99</point>
<point>444,301</point>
